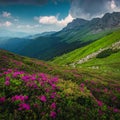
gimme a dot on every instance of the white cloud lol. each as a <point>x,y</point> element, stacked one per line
<point>48,20</point>
<point>88,9</point>
<point>54,20</point>
<point>6,14</point>
<point>28,26</point>
<point>113,5</point>
<point>6,24</point>
<point>65,21</point>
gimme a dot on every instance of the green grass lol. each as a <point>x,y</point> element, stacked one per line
<point>84,92</point>
<point>108,64</point>
<point>93,47</point>
<point>80,91</point>
<point>84,35</point>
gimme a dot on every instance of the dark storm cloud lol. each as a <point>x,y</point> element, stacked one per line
<point>92,8</point>
<point>29,2</point>
<point>7,2</point>
<point>117,2</point>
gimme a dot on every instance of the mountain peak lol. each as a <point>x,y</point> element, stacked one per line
<point>108,21</point>
<point>78,22</point>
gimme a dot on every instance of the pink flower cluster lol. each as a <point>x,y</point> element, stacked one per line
<point>82,85</point>
<point>21,98</point>
<point>41,88</point>
<point>24,106</point>
<point>43,98</point>
<point>100,103</point>
<point>17,73</point>
<point>53,105</point>
<point>7,81</point>
<point>53,114</point>
<point>2,99</point>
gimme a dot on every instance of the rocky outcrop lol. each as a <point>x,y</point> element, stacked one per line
<point>115,46</point>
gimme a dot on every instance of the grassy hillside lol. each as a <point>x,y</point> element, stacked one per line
<point>48,47</point>
<point>84,51</point>
<point>56,44</point>
<point>83,35</point>
<point>32,89</point>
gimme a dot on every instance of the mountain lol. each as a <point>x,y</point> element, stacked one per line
<point>75,24</point>
<point>16,44</point>
<point>40,35</point>
<point>75,35</point>
<point>81,84</point>
<point>108,21</point>
<point>103,54</point>
<point>12,34</point>
<point>13,44</point>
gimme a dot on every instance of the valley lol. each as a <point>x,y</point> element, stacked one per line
<point>72,74</point>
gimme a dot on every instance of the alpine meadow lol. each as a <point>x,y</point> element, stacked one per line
<point>60,60</point>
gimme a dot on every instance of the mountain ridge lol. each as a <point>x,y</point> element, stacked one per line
<point>70,38</point>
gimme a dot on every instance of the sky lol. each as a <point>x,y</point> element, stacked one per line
<point>37,16</point>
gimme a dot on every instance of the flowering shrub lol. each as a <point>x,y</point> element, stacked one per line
<point>29,92</point>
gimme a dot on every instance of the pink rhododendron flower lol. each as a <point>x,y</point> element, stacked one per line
<point>7,78</point>
<point>100,103</point>
<point>82,85</point>
<point>47,90</point>
<point>53,95</point>
<point>115,110</point>
<point>19,97</point>
<point>55,79</point>
<point>24,106</point>
<point>105,90</point>
<point>53,86</point>
<point>53,105</point>
<point>43,98</point>
<point>7,83</point>
<point>2,99</point>
<point>53,114</point>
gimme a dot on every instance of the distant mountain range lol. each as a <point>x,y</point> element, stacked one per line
<point>109,20</point>
<point>76,34</point>
<point>40,35</point>
<point>11,34</point>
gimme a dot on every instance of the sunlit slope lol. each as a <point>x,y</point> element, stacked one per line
<point>80,53</point>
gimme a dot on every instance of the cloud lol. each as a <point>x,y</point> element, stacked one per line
<point>27,26</point>
<point>113,4</point>
<point>29,2</point>
<point>6,14</point>
<point>6,24</point>
<point>48,20</point>
<point>54,20</point>
<point>89,9</point>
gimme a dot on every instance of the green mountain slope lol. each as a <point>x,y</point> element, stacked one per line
<point>76,34</point>
<point>48,47</point>
<point>80,53</point>
<point>110,62</point>
<point>29,90</point>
